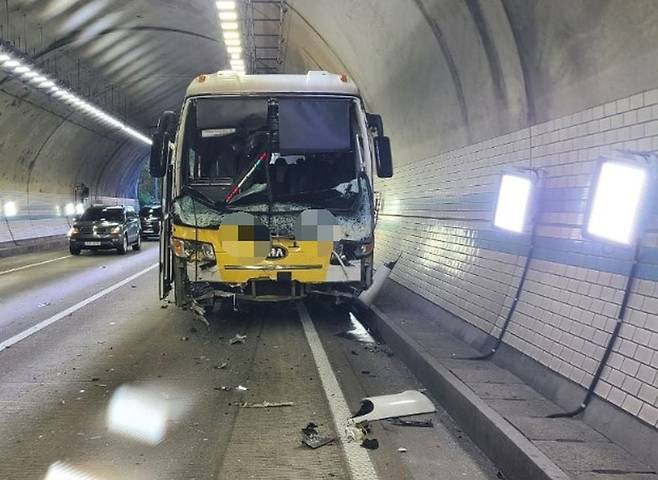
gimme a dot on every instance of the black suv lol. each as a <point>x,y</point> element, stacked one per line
<point>105,227</point>
<point>150,219</point>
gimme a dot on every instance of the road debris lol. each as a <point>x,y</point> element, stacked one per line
<point>241,388</point>
<point>237,339</point>
<point>411,423</point>
<point>44,304</point>
<point>402,450</point>
<point>268,405</point>
<point>370,444</point>
<point>409,402</point>
<point>199,312</point>
<point>314,439</point>
<point>221,366</point>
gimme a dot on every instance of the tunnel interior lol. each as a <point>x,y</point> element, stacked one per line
<point>466,88</point>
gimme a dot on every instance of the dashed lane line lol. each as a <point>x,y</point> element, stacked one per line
<point>64,313</point>
<point>357,458</point>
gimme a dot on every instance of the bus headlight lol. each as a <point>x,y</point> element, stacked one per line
<point>193,251</point>
<point>364,250</point>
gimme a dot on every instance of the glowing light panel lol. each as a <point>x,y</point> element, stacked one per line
<point>513,203</point>
<point>618,195</point>
<point>10,209</point>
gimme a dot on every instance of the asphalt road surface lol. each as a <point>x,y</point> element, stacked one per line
<point>76,332</point>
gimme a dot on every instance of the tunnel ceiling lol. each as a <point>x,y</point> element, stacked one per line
<point>444,73</point>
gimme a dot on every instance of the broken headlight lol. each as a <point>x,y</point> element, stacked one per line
<point>364,250</point>
<point>193,251</point>
<point>348,251</point>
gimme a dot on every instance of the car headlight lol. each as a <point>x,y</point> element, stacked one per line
<point>115,230</point>
<point>193,251</point>
<point>73,231</point>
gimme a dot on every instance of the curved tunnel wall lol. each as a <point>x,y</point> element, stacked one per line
<point>470,88</point>
<point>45,151</point>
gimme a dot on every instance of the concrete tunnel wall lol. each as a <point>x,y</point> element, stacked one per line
<point>466,88</point>
<point>45,151</point>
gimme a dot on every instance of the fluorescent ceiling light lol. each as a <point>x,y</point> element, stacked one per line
<point>228,16</point>
<point>230,26</point>
<point>232,42</point>
<point>30,74</point>
<point>616,205</point>
<point>227,5</point>
<point>513,203</point>
<point>235,56</point>
<point>231,35</point>
<point>234,50</point>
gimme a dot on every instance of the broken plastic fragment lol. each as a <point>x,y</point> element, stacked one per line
<point>410,402</point>
<point>268,404</point>
<point>402,450</point>
<point>356,433</point>
<point>314,439</point>
<point>370,444</point>
<point>241,388</point>
<point>412,423</point>
<point>237,339</point>
<point>378,280</point>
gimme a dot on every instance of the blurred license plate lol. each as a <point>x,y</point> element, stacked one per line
<point>92,244</point>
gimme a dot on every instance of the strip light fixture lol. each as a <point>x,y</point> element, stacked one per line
<point>24,70</point>
<point>229,21</point>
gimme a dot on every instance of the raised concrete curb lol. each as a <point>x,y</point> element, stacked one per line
<point>9,249</point>
<point>508,448</point>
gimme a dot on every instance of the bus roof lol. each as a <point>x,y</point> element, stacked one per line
<point>232,83</point>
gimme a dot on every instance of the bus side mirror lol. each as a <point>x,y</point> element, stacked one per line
<point>383,157</point>
<point>165,133</point>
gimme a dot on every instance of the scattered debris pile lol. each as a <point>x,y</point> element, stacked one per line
<point>392,407</point>
<point>313,438</point>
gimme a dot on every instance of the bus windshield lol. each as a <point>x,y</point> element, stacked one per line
<point>247,151</point>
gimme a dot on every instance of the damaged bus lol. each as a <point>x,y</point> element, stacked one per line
<point>267,189</point>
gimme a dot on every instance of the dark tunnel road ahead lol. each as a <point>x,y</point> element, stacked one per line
<point>56,384</point>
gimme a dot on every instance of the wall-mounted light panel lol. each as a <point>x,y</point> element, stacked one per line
<point>619,198</point>
<point>516,201</point>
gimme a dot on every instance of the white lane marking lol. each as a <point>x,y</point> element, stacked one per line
<point>40,326</point>
<point>357,458</point>
<point>18,269</point>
